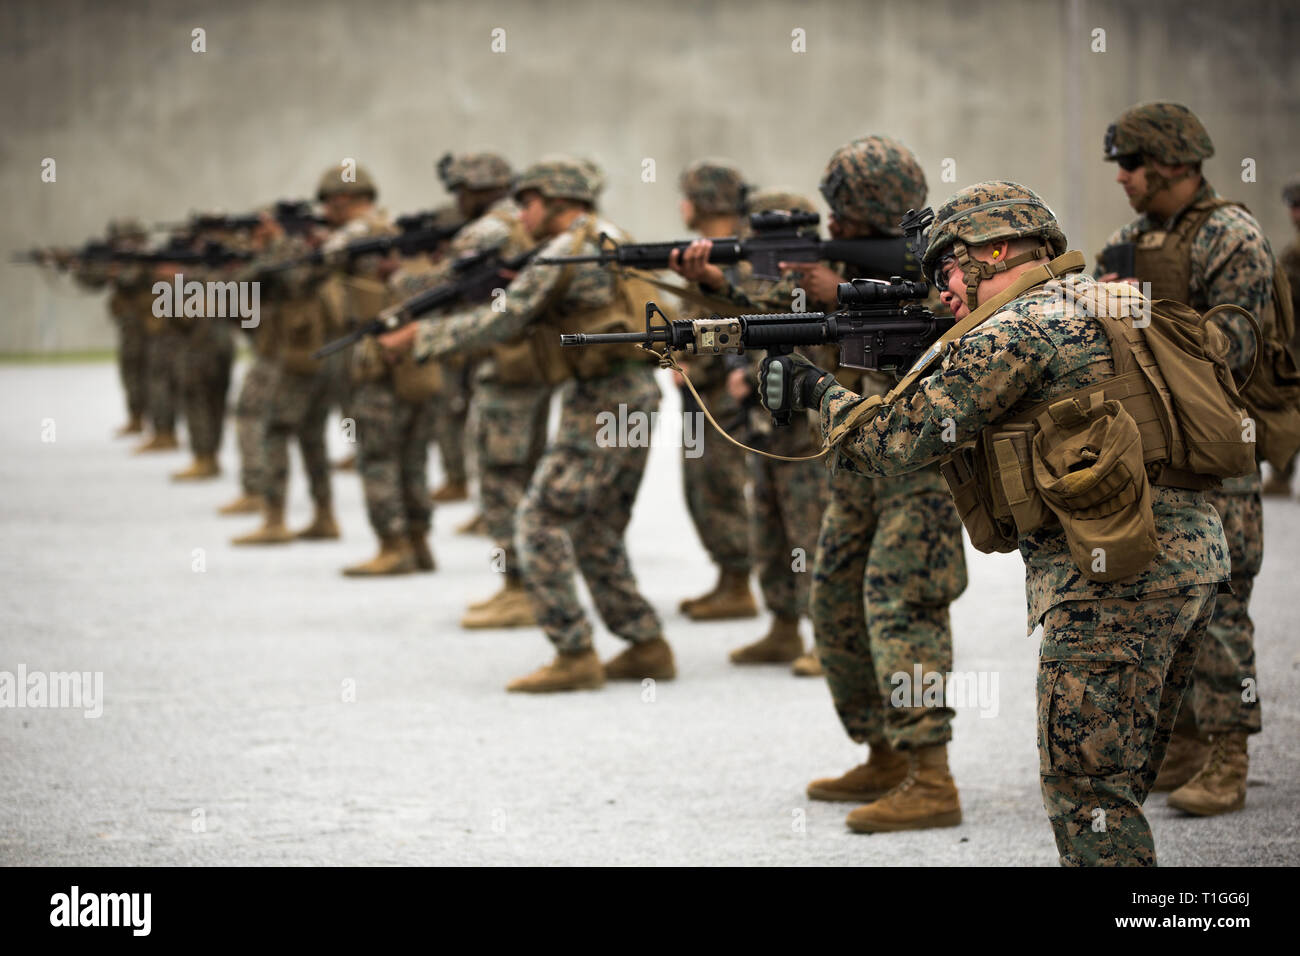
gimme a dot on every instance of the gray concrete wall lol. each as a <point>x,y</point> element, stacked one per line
<point>139,124</point>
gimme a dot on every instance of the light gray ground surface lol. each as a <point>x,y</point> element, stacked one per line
<point>224,708</point>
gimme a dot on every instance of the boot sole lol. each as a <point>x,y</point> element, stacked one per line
<point>1198,810</point>
<point>472,625</point>
<point>241,544</point>
<point>643,675</point>
<point>595,685</point>
<point>950,819</point>
<point>844,796</point>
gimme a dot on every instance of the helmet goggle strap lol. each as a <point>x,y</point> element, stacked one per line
<point>977,270</point>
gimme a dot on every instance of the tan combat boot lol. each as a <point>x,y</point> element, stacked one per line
<point>395,557</point>
<point>161,441</point>
<point>1276,487</point>
<point>884,770</point>
<point>1185,756</point>
<point>580,671</point>
<point>731,599</point>
<point>926,798</point>
<point>273,530</point>
<point>808,665</point>
<point>243,505</point>
<point>475,525</point>
<point>420,548</point>
<point>132,427</point>
<point>509,607</point>
<point>346,464</point>
<point>1220,786</point>
<point>781,645</point>
<point>451,491</point>
<point>203,466</point>
<point>323,527</point>
<point>652,659</point>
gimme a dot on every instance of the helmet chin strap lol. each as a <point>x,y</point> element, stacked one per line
<point>1156,183</point>
<point>976,270</point>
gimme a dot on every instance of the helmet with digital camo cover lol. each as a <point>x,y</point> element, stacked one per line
<point>989,212</point>
<point>874,180</point>
<point>480,171</point>
<point>334,183</point>
<point>562,177</point>
<point>715,187</point>
<point>780,200</point>
<point>1168,133</point>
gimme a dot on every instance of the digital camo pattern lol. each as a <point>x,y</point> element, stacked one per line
<point>129,303</point>
<point>897,543</point>
<point>204,359</point>
<point>1218,702</point>
<point>392,458</point>
<point>715,187</point>
<point>874,180</point>
<point>988,212</point>
<point>479,171</point>
<point>714,482</point>
<point>252,409</point>
<point>1110,676</point>
<point>789,497</point>
<point>299,409</point>
<point>1167,132</point>
<point>162,357</point>
<point>1025,354</point>
<point>562,177</point>
<point>512,422</point>
<point>576,511</point>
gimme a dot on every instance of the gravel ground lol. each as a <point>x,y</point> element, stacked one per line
<point>227,735</point>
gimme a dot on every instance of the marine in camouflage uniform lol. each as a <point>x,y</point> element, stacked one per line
<point>1279,483</point>
<point>1229,261</point>
<point>715,473</point>
<point>578,504</point>
<point>130,301</point>
<point>511,416</point>
<point>788,497</point>
<point>1116,656</point>
<point>392,404</point>
<point>310,305</point>
<point>257,391</point>
<point>164,341</point>
<point>203,367</point>
<point>893,543</point>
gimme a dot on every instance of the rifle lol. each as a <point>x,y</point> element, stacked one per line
<point>210,254</point>
<point>878,326</point>
<point>778,237</point>
<point>475,278</point>
<point>295,216</point>
<point>404,243</point>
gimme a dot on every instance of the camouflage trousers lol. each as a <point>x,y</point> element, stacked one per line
<point>715,485</point>
<point>1111,675</point>
<point>203,373</point>
<point>511,436</point>
<point>393,457</point>
<point>1223,696</point>
<point>889,562</point>
<point>251,412</point>
<point>451,414</point>
<point>133,365</point>
<point>576,510</point>
<point>162,358</point>
<point>786,514</point>
<point>299,408</point>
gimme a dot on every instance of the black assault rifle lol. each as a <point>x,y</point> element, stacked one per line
<point>406,243</point>
<point>474,279</point>
<point>878,326</point>
<point>778,237</point>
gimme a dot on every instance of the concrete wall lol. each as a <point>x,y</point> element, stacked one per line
<point>139,124</point>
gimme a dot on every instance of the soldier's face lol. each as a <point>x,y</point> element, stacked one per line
<point>1295,215</point>
<point>1134,183</point>
<point>532,213</point>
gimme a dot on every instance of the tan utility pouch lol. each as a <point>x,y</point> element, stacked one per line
<point>368,363</point>
<point>965,471</point>
<point>1009,453</point>
<point>1089,470</point>
<point>365,297</point>
<point>533,358</point>
<point>414,381</point>
<point>303,322</point>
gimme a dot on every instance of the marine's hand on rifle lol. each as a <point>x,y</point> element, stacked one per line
<point>693,264</point>
<point>790,382</point>
<point>821,282</point>
<point>398,342</point>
